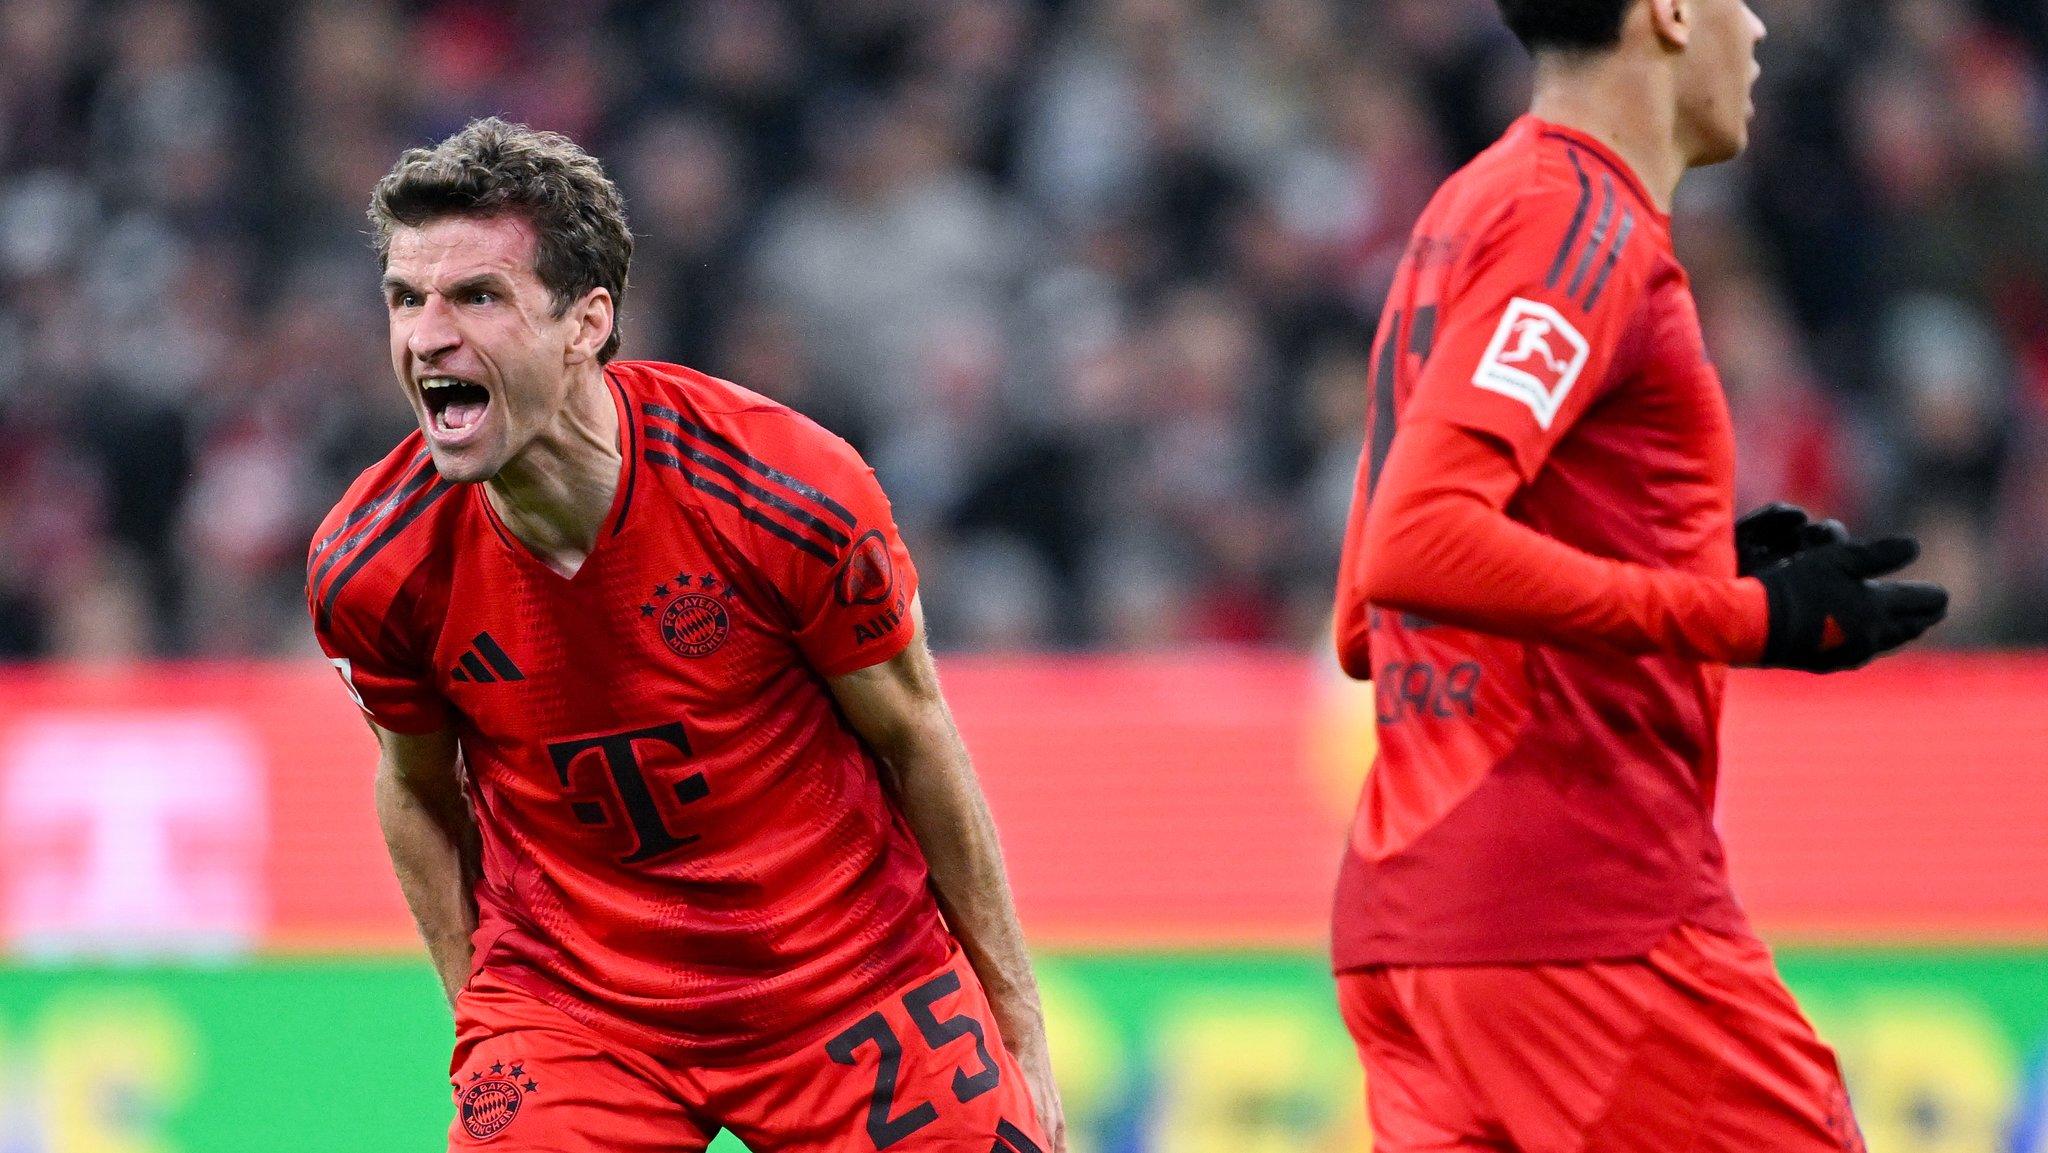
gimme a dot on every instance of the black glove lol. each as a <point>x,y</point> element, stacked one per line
<point>1827,614</point>
<point>1777,532</point>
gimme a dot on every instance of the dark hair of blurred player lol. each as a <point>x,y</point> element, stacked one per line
<point>666,775</point>
<point>1687,101</point>
<point>1565,25</point>
<point>1535,939</point>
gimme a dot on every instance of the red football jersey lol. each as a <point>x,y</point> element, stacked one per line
<point>1540,801</point>
<point>683,840</point>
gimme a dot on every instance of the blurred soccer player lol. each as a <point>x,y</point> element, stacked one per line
<point>1536,945</point>
<point>666,775</point>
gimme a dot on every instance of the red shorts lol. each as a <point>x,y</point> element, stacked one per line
<point>922,1070</point>
<point>1697,1048</point>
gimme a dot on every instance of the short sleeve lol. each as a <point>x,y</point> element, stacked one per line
<point>829,545</point>
<point>1541,317</point>
<point>383,683</point>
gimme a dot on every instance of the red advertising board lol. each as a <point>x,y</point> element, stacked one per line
<point>1189,799</point>
<point>1907,799</point>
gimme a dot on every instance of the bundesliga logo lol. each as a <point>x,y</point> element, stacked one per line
<point>1535,358</point>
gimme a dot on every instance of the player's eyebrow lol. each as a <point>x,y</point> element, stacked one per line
<point>484,280</point>
<point>489,281</point>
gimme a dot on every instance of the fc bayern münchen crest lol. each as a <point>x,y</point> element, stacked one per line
<point>694,625</point>
<point>696,622</point>
<point>490,1102</point>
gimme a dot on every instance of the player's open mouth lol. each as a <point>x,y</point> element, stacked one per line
<point>454,405</point>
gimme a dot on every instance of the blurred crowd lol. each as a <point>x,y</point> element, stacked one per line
<point>1091,282</point>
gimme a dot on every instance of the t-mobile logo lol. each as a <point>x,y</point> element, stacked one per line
<point>629,788</point>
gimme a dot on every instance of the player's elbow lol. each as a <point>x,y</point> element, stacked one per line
<point>1351,626</point>
<point>1400,570</point>
<point>1353,635</point>
<point>1355,660</point>
<point>1390,564</point>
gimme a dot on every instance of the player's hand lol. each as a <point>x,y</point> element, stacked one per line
<point>1045,1093</point>
<point>1828,612</point>
<point>1778,532</point>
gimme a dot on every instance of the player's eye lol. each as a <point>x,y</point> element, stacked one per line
<point>482,297</point>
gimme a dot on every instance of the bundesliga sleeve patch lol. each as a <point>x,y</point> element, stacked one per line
<point>1535,358</point>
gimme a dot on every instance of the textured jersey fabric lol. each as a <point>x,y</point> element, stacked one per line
<point>1548,727</point>
<point>683,840</point>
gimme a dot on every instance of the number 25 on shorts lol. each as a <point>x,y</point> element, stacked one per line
<point>885,1127</point>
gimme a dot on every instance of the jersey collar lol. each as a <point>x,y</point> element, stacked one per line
<point>629,447</point>
<point>1599,152</point>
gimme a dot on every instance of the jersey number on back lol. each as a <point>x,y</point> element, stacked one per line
<point>1386,376</point>
<point>629,790</point>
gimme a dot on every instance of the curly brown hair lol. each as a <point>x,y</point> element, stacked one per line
<point>493,167</point>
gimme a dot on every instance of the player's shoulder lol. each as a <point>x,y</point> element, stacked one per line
<point>755,466</point>
<point>715,403</point>
<point>1539,169</point>
<point>742,425</point>
<point>1561,208</point>
<point>379,532</point>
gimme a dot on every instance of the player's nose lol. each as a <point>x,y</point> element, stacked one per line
<point>433,330</point>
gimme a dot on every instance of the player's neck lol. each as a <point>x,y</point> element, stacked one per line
<point>1625,104</point>
<point>555,494</point>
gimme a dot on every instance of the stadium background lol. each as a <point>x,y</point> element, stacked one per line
<point>1092,283</point>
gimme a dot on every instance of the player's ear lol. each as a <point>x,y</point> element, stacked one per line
<point>593,317</point>
<point>1671,21</point>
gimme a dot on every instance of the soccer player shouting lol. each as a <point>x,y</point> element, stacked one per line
<point>1536,945</point>
<point>666,775</point>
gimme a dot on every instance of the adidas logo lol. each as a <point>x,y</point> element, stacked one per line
<point>485,663</point>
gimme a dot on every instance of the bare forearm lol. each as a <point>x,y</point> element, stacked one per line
<point>430,842</point>
<point>952,824</point>
<point>898,710</point>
